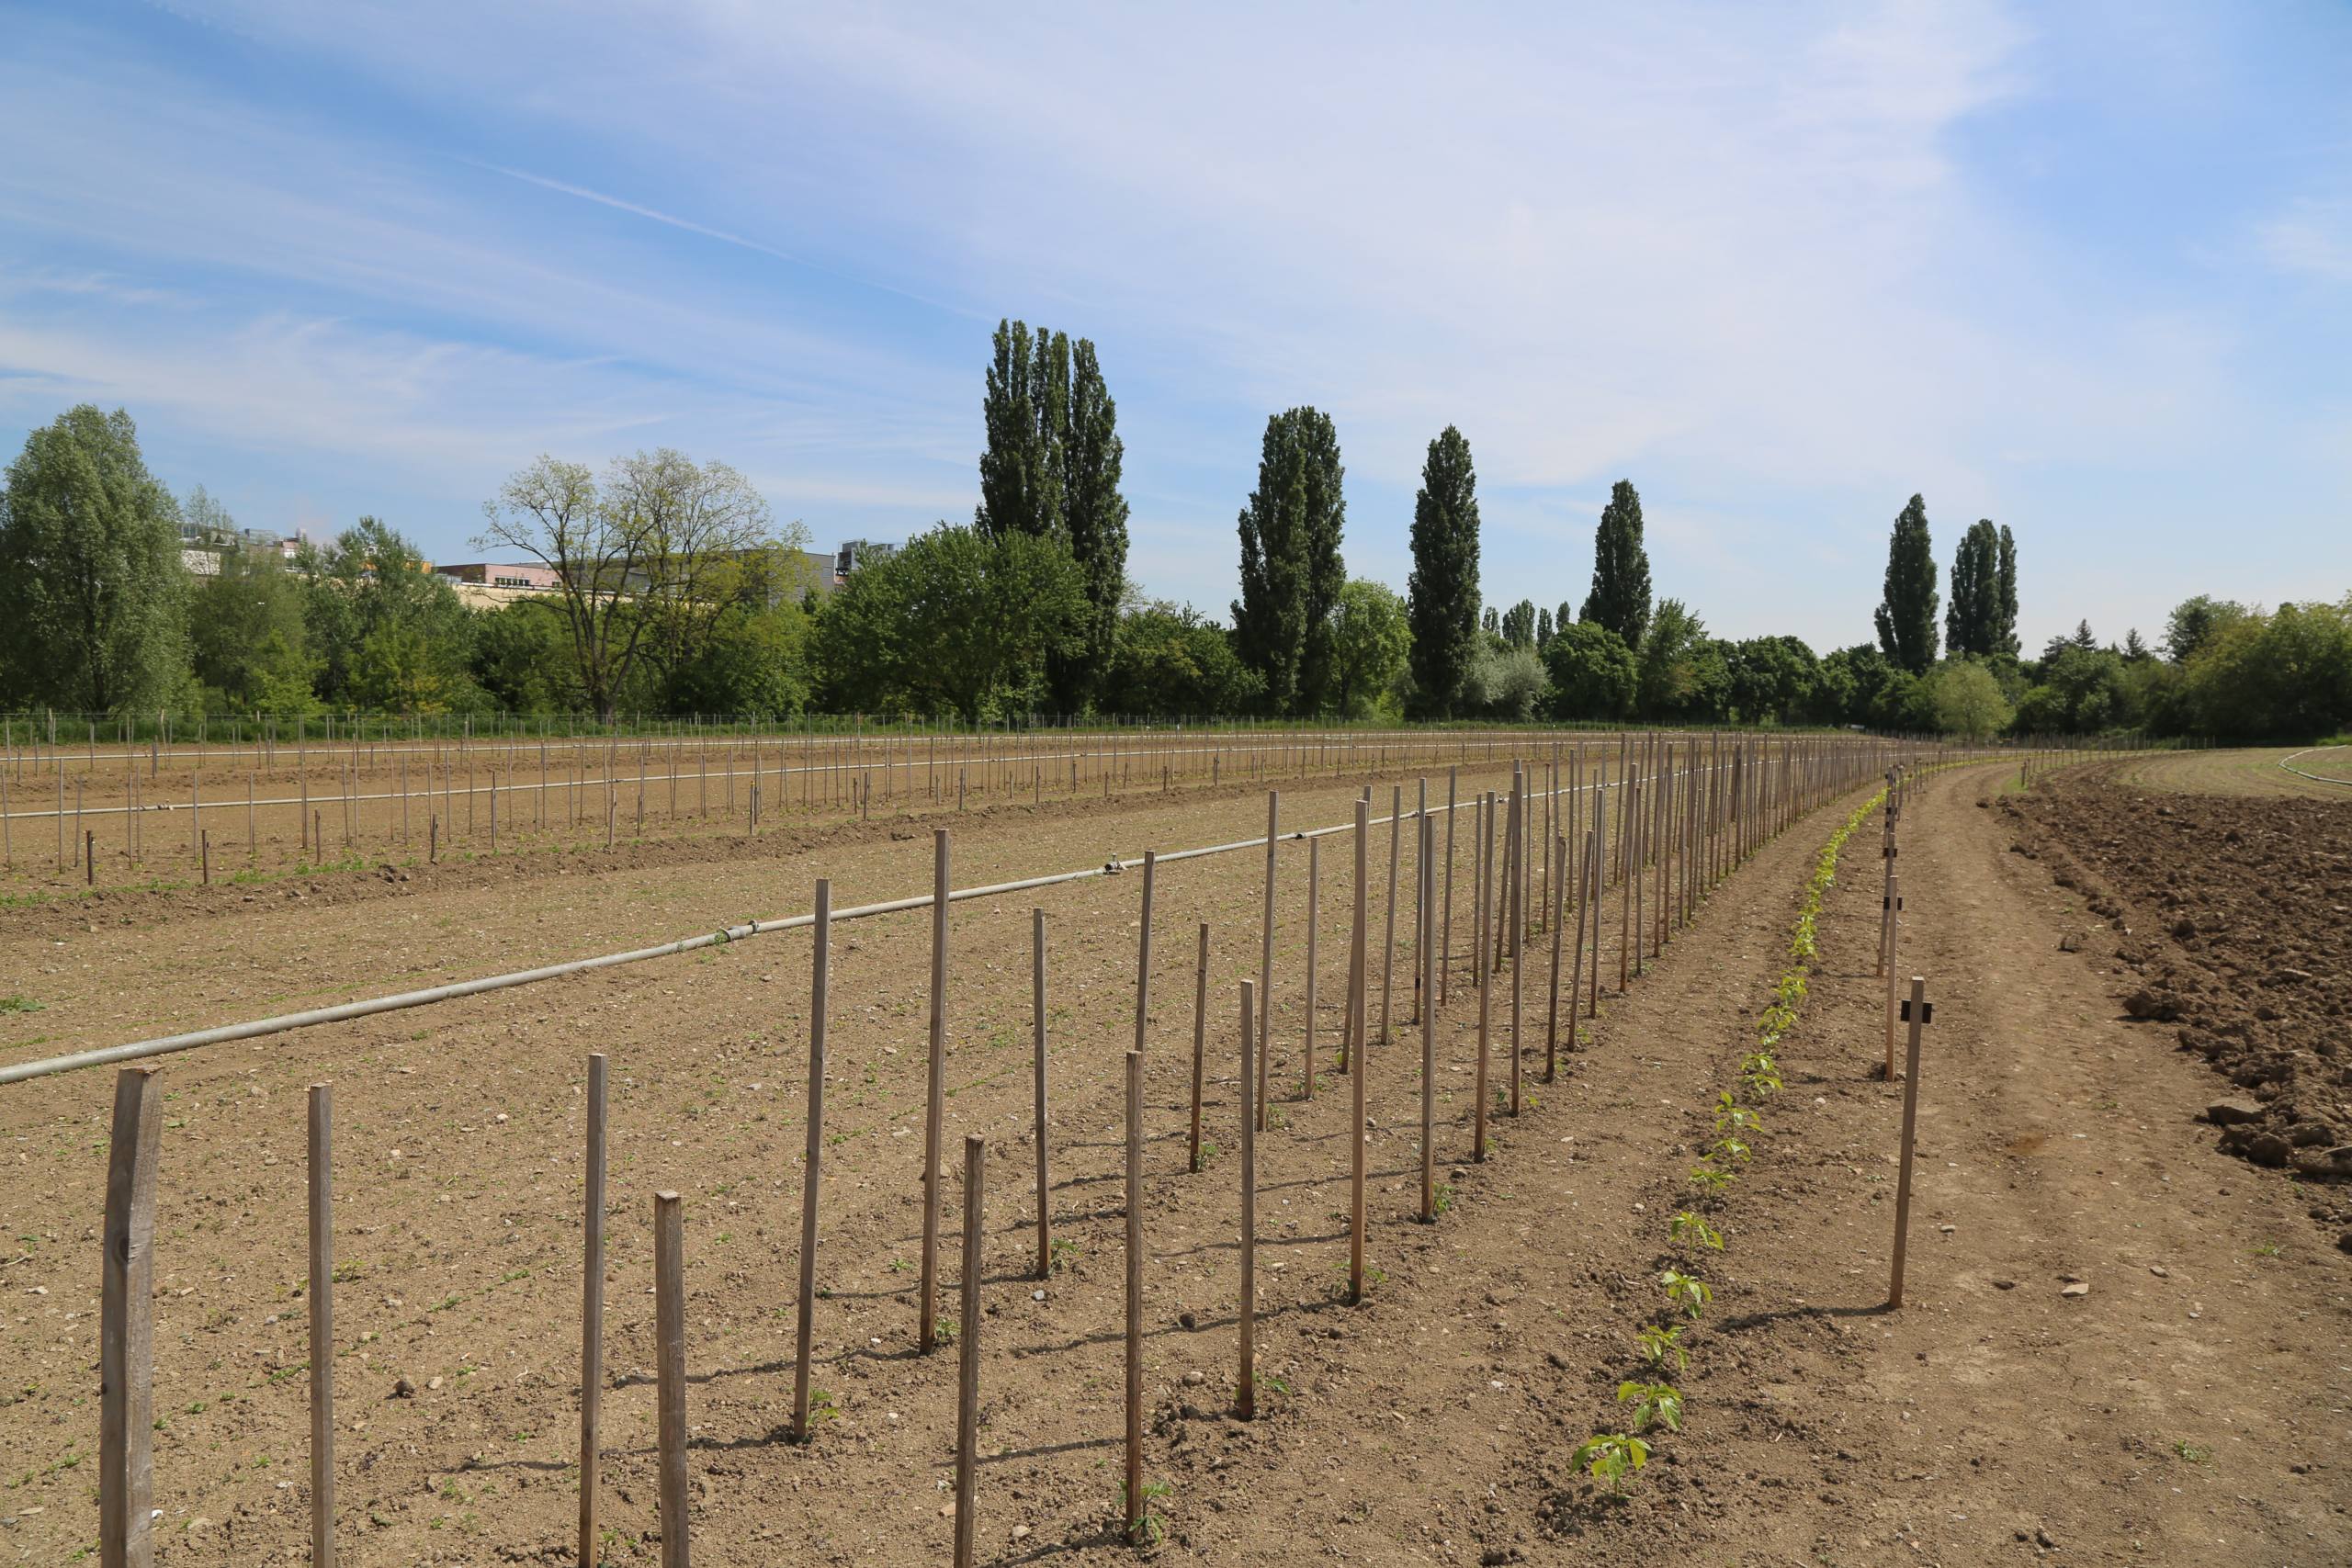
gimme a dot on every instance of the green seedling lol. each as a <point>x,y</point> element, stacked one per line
<point>1656,1343</point>
<point>1689,1230</point>
<point>1759,1072</point>
<point>1687,1292</point>
<point>18,1004</point>
<point>2194,1453</point>
<point>1654,1404</point>
<point>1062,1253</point>
<point>1442,1199</point>
<point>1145,1528</point>
<point>1731,1117</point>
<point>946,1329</point>
<point>1611,1457</point>
<point>1728,1148</point>
<point>1709,1180</point>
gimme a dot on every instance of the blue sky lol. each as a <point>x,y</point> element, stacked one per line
<point>2085,270</point>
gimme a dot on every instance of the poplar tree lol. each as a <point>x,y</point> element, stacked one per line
<point>1907,617</point>
<point>1973,619</point>
<point>1291,570</point>
<point>1442,594</point>
<point>2006,628</point>
<point>1095,519</point>
<point>1620,599</point>
<point>1051,470</point>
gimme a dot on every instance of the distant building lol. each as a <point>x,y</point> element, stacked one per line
<point>856,553</point>
<point>527,576</point>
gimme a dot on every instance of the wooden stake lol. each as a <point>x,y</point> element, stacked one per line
<point>1245,1384</point>
<point>1892,919</point>
<point>1038,1073</point>
<point>1486,848</point>
<point>1314,923</point>
<point>320,1169</point>
<point>1917,1013</point>
<point>1358,1016</point>
<point>1266,954</point>
<point>1445,937</point>
<point>812,1153</point>
<point>1143,951</point>
<point>1427,954</point>
<point>1555,881</point>
<point>1132,1498</point>
<point>1388,940</point>
<point>669,1351</point>
<point>1515,902</point>
<point>927,1329</point>
<point>1200,1041</point>
<point>592,1309</point>
<point>967,1378</point>
<point>126,1326</point>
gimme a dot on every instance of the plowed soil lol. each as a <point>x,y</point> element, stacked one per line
<point>2187,1407</point>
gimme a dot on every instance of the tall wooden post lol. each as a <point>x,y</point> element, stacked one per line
<point>1200,1042</point>
<point>669,1353</point>
<point>1246,1383</point>
<point>126,1326</point>
<point>1388,938</point>
<point>1306,1036</point>
<point>1038,1077</point>
<point>1132,1503</point>
<point>967,1378</point>
<point>1917,1013</point>
<point>592,1309</point>
<point>1266,954</point>
<point>813,1154</point>
<point>927,1330</point>
<point>1428,956</point>
<point>321,1303</point>
<point>1359,1013</point>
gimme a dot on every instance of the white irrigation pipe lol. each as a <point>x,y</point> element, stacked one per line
<point>18,1072</point>
<point>2286,762</point>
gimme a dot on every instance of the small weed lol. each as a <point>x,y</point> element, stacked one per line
<point>1063,1254</point>
<point>946,1329</point>
<point>18,1004</point>
<point>2268,1250</point>
<point>1145,1528</point>
<point>899,1266</point>
<point>1443,1199</point>
<point>2194,1453</point>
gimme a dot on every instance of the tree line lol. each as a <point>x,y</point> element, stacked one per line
<point>677,591</point>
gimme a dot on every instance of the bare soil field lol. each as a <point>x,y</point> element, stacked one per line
<point>2255,771</point>
<point>2189,1407</point>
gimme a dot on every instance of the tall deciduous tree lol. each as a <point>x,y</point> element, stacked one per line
<point>1972,621</point>
<point>1371,641</point>
<point>1620,599</point>
<point>1907,616</point>
<point>1444,589</point>
<point>1291,570</point>
<point>92,596</point>
<point>1592,673</point>
<point>1519,624</point>
<point>646,562</point>
<point>954,621</point>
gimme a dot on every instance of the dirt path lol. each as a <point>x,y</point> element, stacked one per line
<point>2191,1408</point>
